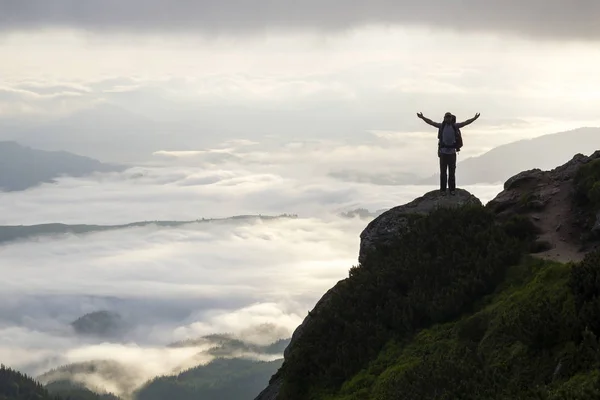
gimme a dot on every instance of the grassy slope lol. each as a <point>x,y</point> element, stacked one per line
<point>524,341</point>
<point>535,337</point>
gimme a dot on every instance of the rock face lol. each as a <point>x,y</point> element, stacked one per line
<point>392,224</point>
<point>536,187</point>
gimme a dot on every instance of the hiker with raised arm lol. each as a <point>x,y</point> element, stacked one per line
<point>449,143</point>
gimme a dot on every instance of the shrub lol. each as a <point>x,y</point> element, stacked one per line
<point>587,185</point>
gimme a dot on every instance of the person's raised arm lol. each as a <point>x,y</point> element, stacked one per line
<point>427,120</point>
<point>467,122</point>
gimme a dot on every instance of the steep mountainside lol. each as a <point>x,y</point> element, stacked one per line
<point>23,167</point>
<point>463,301</point>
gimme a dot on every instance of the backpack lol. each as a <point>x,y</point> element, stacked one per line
<point>458,141</point>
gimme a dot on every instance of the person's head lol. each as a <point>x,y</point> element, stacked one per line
<point>448,118</point>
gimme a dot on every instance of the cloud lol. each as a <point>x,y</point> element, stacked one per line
<point>255,279</point>
<point>557,19</point>
<point>44,99</point>
<point>312,178</point>
<point>170,284</point>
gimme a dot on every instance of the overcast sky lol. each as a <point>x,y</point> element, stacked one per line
<point>222,70</point>
<point>557,19</point>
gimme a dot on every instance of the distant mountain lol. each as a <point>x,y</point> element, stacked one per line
<point>9,233</point>
<point>80,376</point>
<point>23,167</point>
<point>361,213</point>
<point>229,376</point>
<point>107,132</point>
<point>227,346</point>
<point>72,390</point>
<point>221,379</point>
<point>543,152</point>
<point>101,324</point>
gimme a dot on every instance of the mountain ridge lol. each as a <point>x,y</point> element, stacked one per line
<point>10,233</point>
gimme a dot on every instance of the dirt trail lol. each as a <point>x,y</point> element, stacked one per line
<point>546,197</point>
<point>555,223</point>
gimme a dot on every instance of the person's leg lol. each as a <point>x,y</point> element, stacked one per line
<point>452,172</point>
<point>443,175</point>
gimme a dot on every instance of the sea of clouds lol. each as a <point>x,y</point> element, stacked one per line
<point>255,279</point>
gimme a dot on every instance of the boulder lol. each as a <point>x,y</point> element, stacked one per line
<point>392,224</point>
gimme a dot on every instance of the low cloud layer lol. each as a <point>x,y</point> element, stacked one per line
<point>169,285</point>
<point>298,180</point>
<point>254,279</point>
<point>556,19</point>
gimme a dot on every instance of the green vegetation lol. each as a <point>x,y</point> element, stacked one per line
<point>67,389</point>
<point>455,311</point>
<point>225,345</point>
<point>69,376</point>
<point>435,273</point>
<point>587,194</point>
<point>524,341</point>
<point>17,386</point>
<point>223,379</point>
<point>587,184</point>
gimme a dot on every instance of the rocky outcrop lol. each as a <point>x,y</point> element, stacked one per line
<point>385,228</point>
<point>392,224</point>
<point>546,198</point>
<point>533,189</point>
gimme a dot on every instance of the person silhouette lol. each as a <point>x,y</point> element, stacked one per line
<point>449,142</point>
